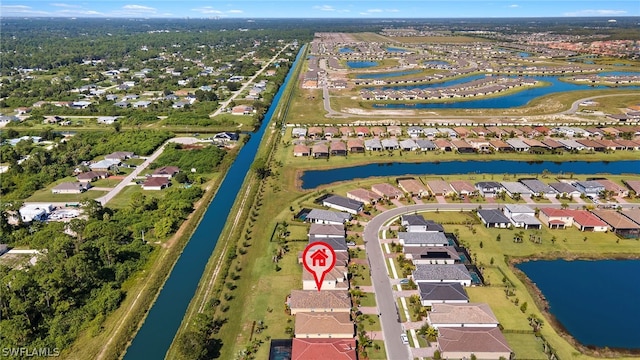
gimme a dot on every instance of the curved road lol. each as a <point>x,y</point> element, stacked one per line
<point>390,319</point>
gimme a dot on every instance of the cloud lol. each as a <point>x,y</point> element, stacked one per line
<point>514,6</point>
<point>589,12</point>
<point>207,10</point>
<point>78,12</point>
<point>235,12</point>
<point>139,8</point>
<point>20,10</point>
<point>65,5</point>
<point>379,11</point>
<point>324,8</point>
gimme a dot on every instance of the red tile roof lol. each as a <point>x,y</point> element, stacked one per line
<point>324,349</point>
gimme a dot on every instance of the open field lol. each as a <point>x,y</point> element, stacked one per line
<point>45,195</point>
<point>439,39</point>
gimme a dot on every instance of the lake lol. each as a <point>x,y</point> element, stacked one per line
<point>314,178</point>
<point>595,301</point>
<point>395,50</point>
<point>516,99</point>
<point>361,64</point>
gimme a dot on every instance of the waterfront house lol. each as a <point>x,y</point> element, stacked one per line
<point>320,151</point>
<point>462,187</point>
<point>320,216</point>
<point>355,145</point>
<point>437,273</point>
<point>373,144</point>
<point>408,145</point>
<point>319,301</point>
<point>488,188</point>
<point>613,187</point>
<point>589,188</point>
<point>413,187</point>
<point>518,145</point>
<point>539,188</point>
<point>425,145</point>
<point>493,218</point>
<point>619,224</point>
<point>387,191</point>
<point>301,150</point>
<point>512,188</point>
<point>431,254</point>
<point>335,325</point>
<point>365,196</point>
<point>442,293</point>
<point>390,144</point>
<point>565,190</point>
<point>338,148</point>
<point>467,342</point>
<point>431,238</point>
<point>440,188</point>
<point>343,204</point>
<point>461,315</point>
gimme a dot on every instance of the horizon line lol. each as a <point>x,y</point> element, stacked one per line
<point>312,18</point>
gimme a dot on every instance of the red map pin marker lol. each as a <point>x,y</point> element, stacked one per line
<point>319,258</point>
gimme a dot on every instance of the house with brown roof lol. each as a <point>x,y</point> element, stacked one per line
<point>463,343</point>
<point>463,147</point>
<point>315,132</point>
<point>613,187</point>
<point>461,131</point>
<point>461,315</point>
<point>71,188</point>
<point>443,144</point>
<point>301,150</point>
<point>413,187</point>
<point>463,187</point>
<point>346,130</point>
<point>323,349</point>
<point>386,190</point>
<point>324,325</point>
<point>632,214</point>
<point>394,130</point>
<point>365,196</point>
<point>119,155</point>
<point>320,151</point>
<point>319,301</point>
<point>166,172</point>
<point>362,131</point>
<point>440,188</point>
<point>155,183</point>
<point>633,185</point>
<point>338,148</point>
<point>619,224</point>
<point>330,132</point>
<point>501,146</point>
<point>355,145</point>
<point>91,176</point>
<point>378,131</point>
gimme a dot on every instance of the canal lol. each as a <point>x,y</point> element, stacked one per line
<point>163,320</point>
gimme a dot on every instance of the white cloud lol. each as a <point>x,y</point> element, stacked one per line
<point>324,8</point>
<point>207,10</point>
<point>65,5</point>
<point>140,8</point>
<point>589,12</point>
<point>78,12</point>
<point>514,6</point>
<point>20,10</point>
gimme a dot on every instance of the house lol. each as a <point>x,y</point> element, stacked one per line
<point>319,301</point>
<point>556,218</point>
<point>394,130</point>
<point>330,132</point>
<point>327,230</point>
<point>166,172</point>
<point>414,131</point>
<point>613,187</point>
<point>437,273</point>
<point>324,325</point>
<point>338,244</point>
<point>378,131</point>
<point>425,145</point>
<point>493,218</point>
<point>539,188</point>
<point>34,212</point>
<point>440,188</point>
<point>565,190</point>
<point>443,144</point>
<point>463,147</point>
<point>423,238</point>
<point>373,144</point>
<point>105,165</point>
<point>107,120</point>
<point>390,144</point>
<point>361,131</point>
<point>462,187</point>
<point>417,223</point>
<point>320,151</point>
<point>242,110</point>
<point>355,145</point>
<point>142,104</point>
<point>387,191</point>
<point>71,188</point>
<point>513,187</point>
<point>518,145</point>
<point>431,254</point>
<point>586,221</point>
<point>226,136</point>
<point>589,188</point>
<point>320,216</point>
<point>346,131</point>
<point>633,185</point>
<point>413,187</point>
<point>521,216</point>
<point>500,146</point>
<point>334,279</point>
<point>119,155</point>
<point>632,214</point>
<point>320,349</point>
<point>488,188</point>
<point>91,176</point>
<point>338,148</point>
<point>343,204</point>
<point>442,293</point>
<point>301,150</point>
<point>467,342</point>
<point>155,183</point>
<point>461,315</point>
<point>298,132</point>
<point>365,196</point>
<point>619,224</point>
<point>408,145</point>
<point>315,132</point>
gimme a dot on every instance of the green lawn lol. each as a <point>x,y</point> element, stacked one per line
<point>403,316</point>
<point>380,353</point>
<point>371,323</point>
<point>361,276</point>
<point>368,300</point>
<point>45,195</point>
<point>106,183</point>
<point>124,197</point>
<point>526,346</point>
<point>508,314</point>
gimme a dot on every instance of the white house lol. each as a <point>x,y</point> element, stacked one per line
<point>461,315</point>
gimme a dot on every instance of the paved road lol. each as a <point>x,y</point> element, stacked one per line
<point>576,104</point>
<point>390,320</point>
<point>225,103</point>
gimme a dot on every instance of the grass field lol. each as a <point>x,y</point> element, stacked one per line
<point>439,39</point>
<point>45,195</point>
<point>526,344</point>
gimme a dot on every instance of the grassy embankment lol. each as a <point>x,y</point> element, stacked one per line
<point>110,341</point>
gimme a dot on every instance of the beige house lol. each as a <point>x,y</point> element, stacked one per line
<point>483,343</point>
<point>413,187</point>
<point>386,190</point>
<point>440,188</point>
<point>319,301</point>
<point>324,325</point>
<point>461,315</point>
<point>336,279</point>
<point>365,196</point>
<point>71,188</point>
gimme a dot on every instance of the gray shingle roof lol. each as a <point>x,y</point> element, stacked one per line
<point>344,202</point>
<point>442,291</point>
<point>493,216</point>
<point>441,272</point>
<point>327,215</point>
<point>426,238</point>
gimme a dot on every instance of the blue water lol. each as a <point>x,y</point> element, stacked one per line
<point>519,98</point>
<point>596,301</point>
<point>524,54</point>
<point>361,64</point>
<point>345,50</point>
<point>387,74</point>
<point>156,334</point>
<point>395,50</point>
<point>314,178</point>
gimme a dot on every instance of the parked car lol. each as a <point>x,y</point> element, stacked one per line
<point>404,338</point>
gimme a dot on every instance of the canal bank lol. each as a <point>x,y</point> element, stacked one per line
<point>157,332</point>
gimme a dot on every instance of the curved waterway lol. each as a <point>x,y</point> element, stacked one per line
<point>595,301</point>
<point>156,334</point>
<point>314,178</point>
<point>519,98</point>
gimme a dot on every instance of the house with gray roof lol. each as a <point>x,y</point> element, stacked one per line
<point>539,188</point>
<point>390,144</point>
<point>373,144</point>
<point>493,218</point>
<point>570,144</point>
<point>71,188</point>
<point>327,230</point>
<point>343,204</point>
<point>590,188</point>
<point>298,132</point>
<point>408,145</point>
<point>417,223</point>
<point>320,216</point>
<point>565,189</point>
<point>414,131</point>
<point>514,187</point>
<point>518,145</point>
<point>461,315</point>
<point>423,239</point>
<point>336,243</point>
<point>431,254</point>
<point>434,293</point>
<point>442,273</point>
<point>522,216</point>
<point>425,145</point>
<point>488,188</point>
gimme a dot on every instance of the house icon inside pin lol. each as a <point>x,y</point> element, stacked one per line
<point>319,257</point>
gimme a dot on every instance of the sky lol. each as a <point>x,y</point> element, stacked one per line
<point>318,9</point>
